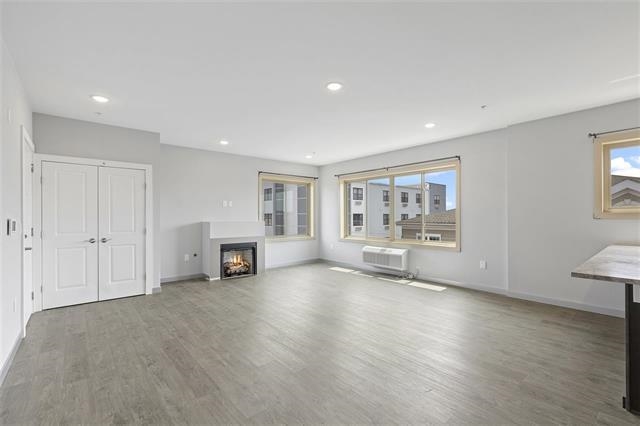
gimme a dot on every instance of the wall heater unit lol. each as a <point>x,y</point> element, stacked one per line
<point>386,258</point>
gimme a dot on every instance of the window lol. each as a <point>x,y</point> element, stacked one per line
<point>384,211</point>
<point>287,206</point>
<point>617,175</point>
<point>358,193</point>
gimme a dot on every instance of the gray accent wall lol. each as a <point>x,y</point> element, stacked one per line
<point>189,187</point>
<point>527,203</point>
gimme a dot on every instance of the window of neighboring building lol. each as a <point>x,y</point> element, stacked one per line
<point>289,214</point>
<point>358,194</point>
<point>617,175</point>
<point>433,220</point>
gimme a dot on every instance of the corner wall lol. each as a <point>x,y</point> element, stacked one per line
<point>527,202</point>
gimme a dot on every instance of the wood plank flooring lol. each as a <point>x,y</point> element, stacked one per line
<point>310,345</point>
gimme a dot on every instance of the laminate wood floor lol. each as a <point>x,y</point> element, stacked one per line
<point>310,345</point>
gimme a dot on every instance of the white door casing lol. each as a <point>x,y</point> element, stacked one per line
<point>122,232</point>
<point>27,228</point>
<point>69,234</point>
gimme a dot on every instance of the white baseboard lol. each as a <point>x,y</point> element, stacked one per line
<point>156,290</point>
<point>7,364</point>
<point>504,292</point>
<point>181,278</point>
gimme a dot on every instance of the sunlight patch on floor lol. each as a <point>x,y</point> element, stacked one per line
<point>402,281</point>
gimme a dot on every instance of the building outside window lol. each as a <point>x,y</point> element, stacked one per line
<point>385,196</point>
<point>436,200</point>
<point>404,216</point>
<point>418,198</point>
<point>358,194</point>
<point>358,219</point>
<point>404,197</point>
<point>287,206</point>
<point>385,219</point>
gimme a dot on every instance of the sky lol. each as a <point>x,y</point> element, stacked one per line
<point>447,178</point>
<point>626,161</point>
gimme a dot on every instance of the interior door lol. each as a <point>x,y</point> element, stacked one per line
<point>69,234</point>
<point>122,232</point>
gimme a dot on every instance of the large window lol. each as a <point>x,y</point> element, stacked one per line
<point>379,205</point>
<point>617,175</point>
<point>286,206</point>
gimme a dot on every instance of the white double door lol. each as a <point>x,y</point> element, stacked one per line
<point>93,233</point>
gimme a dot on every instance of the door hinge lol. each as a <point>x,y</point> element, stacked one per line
<point>41,234</point>
<point>41,289</point>
<point>31,167</point>
<point>32,231</point>
<point>144,231</point>
<point>32,296</point>
<point>40,180</point>
<point>145,185</point>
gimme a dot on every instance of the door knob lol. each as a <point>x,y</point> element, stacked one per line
<point>104,240</point>
<point>91,240</point>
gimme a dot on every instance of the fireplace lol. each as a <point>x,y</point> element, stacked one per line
<point>238,260</point>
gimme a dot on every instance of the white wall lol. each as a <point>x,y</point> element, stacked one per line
<point>527,202</point>
<point>550,201</point>
<point>15,113</point>
<point>189,186</point>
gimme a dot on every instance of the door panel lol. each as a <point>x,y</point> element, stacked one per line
<point>27,232</point>
<point>69,224</point>
<point>122,238</point>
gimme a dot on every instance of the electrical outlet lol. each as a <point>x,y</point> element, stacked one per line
<point>186,257</point>
<point>230,203</point>
<point>483,264</point>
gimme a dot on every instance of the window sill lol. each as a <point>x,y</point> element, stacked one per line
<point>288,239</point>
<point>386,242</point>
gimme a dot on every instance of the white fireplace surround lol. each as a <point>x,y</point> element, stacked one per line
<point>215,233</point>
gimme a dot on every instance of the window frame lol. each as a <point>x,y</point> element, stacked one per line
<point>287,179</point>
<point>602,146</point>
<point>391,173</point>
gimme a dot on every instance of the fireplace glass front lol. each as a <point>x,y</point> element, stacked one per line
<point>237,260</point>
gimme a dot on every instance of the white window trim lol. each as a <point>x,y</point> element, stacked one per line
<point>602,146</point>
<point>274,177</point>
<point>427,167</point>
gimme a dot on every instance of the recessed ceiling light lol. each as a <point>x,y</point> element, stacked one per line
<point>224,142</point>
<point>334,86</point>
<point>430,125</point>
<point>308,156</point>
<point>100,99</point>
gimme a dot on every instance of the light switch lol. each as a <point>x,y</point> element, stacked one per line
<point>224,203</point>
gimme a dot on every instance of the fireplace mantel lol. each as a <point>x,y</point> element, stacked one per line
<point>215,233</point>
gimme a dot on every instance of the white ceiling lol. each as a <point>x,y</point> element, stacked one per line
<point>255,74</point>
